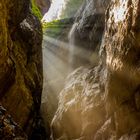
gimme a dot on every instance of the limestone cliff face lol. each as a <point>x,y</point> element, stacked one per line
<point>20,62</point>
<point>103,103</point>
<point>121,52</point>
<point>90,22</point>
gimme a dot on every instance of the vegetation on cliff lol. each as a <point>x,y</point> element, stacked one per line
<point>56,27</point>
<point>35,10</point>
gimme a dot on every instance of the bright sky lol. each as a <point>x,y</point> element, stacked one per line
<point>54,11</point>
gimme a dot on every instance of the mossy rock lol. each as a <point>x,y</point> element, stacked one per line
<point>35,10</point>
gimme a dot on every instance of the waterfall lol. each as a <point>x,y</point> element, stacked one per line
<point>79,55</point>
<point>71,37</point>
<point>61,55</point>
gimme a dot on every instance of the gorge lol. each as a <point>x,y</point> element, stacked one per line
<point>73,77</point>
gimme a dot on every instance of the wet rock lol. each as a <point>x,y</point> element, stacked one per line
<point>134,136</point>
<point>20,63</point>
<point>81,107</point>
<point>39,132</point>
<point>121,52</point>
<point>9,130</point>
<point>103,102</point>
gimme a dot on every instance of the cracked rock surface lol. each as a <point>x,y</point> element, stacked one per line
<point>102,103</point>
<point>20,64</point>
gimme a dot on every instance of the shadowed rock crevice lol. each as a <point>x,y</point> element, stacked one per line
<point>20,66</point>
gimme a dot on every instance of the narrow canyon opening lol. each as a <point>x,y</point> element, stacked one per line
<point>76,105</point>
<point>70,70</point>
<point>61,54</point>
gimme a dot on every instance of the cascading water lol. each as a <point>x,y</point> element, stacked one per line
<point>71,45</point>
<point>78,55</point>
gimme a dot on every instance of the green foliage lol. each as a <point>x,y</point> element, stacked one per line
<point>35,10</point>
<point>55,28</point>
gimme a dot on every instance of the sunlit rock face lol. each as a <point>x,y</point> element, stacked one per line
<point>20,63</point>
<point>121,51</point>
<point>102,103</point>
<point>81,108</point>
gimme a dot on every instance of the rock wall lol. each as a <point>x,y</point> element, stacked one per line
<point>86,34</point>
<point>121,52</point>
<point>43,5</point>
<point>102,103</point>
<point>90,23</point>
<point>9,130</point>
<point>20,63</point>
